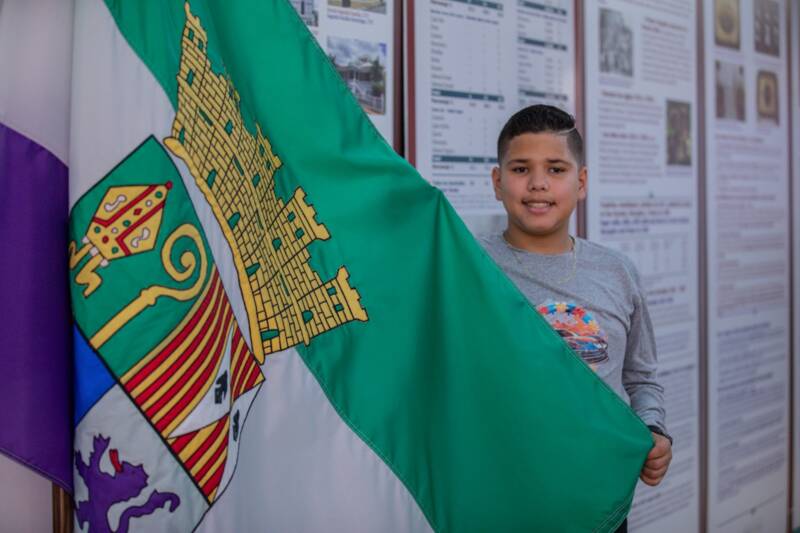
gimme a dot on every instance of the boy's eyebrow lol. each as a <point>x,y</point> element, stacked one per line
<point>550,161</point>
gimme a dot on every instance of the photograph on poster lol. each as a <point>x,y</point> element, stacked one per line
<point>616,43</point>
<point>730,91</point>
<point>727,24</point>
<point>362,65</point>
<point>767,97</point>
<point>766,26</point>
<point>373,6</point>
<point>307,11</point>
<point>679,133</point>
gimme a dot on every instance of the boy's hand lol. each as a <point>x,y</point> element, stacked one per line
<point>657,462</point>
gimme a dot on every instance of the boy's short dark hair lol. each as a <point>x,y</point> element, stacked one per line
<point>541,118</point>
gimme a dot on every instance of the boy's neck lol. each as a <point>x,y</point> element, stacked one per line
<point>557,243</point>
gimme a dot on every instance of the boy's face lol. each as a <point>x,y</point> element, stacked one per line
<point>539,182</point>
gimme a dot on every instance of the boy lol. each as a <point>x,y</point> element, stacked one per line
<point>589,293</point>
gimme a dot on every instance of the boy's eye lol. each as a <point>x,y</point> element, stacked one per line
<point>518,170</point>
<point>557,170</point>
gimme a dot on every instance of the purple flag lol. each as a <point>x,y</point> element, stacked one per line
<point>35,332</point>
<point>35,369</point>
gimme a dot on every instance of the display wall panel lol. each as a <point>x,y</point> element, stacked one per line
<point>748,264</point>
<point>359,38</point>
<point>641,124</point>
<point>474,63</point>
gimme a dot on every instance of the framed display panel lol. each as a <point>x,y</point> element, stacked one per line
<point>470,65</point>
<point>748,261</point>
<point>641,116</point>
<point>361,39</point>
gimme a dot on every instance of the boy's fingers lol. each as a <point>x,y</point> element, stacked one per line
<point>657,452</point>
<point>660,462</point>
<point>660,467</point>
<point>659,439</point>
<point>661,443</point>
<point>661,446</point>
<point>656,455</point>
<point>650,470</point>
<point>654,472</point>
<point>649,481</point>
<point>656,464</point>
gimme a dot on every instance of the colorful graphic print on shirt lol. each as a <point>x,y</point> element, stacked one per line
<point>579,330</point>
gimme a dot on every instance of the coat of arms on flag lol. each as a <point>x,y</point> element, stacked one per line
<point>152,305</point>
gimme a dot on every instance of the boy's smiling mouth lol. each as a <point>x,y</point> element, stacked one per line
<point>538,206</point>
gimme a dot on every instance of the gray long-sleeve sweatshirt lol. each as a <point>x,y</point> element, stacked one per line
<point>594,299</point>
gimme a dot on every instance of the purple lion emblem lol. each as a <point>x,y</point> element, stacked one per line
<point>106,490</point>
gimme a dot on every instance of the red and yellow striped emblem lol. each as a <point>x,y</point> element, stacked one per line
<point>170,382</point>
<point>203,453</point>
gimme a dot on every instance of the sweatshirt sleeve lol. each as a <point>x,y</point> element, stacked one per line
<point>640,369</point>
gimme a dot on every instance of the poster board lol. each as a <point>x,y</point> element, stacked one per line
<point>642,153</point>
<point>748,264</point>
<point>471,64</point>
<point>359,37</point>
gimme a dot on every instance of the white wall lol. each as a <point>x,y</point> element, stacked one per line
<point>25,500</point>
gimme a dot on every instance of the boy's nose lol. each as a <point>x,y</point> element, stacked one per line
<point>537,182</point>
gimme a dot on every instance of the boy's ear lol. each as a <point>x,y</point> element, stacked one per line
<point>496,183</point>
<point>583,175</point>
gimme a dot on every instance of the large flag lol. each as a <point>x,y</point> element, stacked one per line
<point>280,326</point>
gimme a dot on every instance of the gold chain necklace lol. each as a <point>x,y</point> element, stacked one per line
<point>573,269</point>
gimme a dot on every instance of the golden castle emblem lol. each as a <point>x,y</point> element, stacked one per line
<point>286,301</point>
